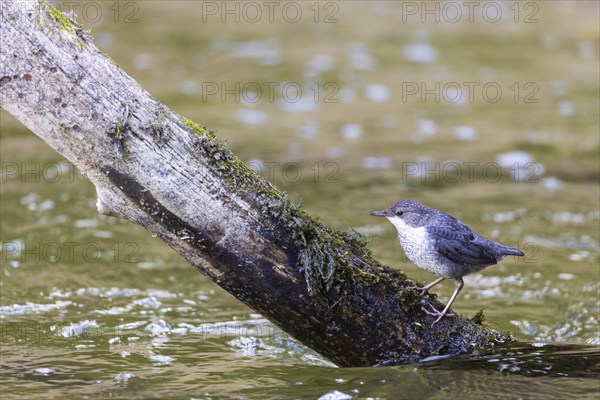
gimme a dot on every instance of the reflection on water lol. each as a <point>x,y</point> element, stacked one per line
<point>536,359</point>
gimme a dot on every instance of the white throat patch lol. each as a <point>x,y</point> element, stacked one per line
<point>399,223</point>
<point>415,243</point>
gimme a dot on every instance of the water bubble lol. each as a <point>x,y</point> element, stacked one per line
<point>378,93</point>
<point>421,53</point>
<point>251,117</point>
<point>351,131</point>
<point>465,133</point>
<point>44,371</point>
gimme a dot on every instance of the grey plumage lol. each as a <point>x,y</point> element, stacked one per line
<point>441,244</point>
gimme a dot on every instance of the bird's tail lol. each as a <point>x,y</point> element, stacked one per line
<point>509,251</point>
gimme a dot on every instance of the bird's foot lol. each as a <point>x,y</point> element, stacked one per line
<point>436,313</point>
<point>424,291</point>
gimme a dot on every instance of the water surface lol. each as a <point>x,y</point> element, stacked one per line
<point>93,305</point>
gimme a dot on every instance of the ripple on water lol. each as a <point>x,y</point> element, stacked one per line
<point>44,371</point>
<point>77,328</point>
<point>335,395</point>
<point>32,308</point>
<point>124,377</point>
<point>161,359</point>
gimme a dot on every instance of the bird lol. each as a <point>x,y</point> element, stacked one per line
<point>443,245</point>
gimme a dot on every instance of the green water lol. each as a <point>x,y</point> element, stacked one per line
<point>95,306</point>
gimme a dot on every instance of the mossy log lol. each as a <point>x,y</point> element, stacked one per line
<point>176,179</point>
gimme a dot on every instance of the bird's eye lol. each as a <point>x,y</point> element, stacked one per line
<point>399,213</point>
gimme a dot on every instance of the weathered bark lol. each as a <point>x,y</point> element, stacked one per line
<point>177,180</point>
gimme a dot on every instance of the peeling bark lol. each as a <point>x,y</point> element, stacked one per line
<point>174,178</point>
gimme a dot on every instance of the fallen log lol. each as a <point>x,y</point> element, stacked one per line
<point>176,179</point>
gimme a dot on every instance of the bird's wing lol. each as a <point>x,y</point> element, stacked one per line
<point>459,244</point>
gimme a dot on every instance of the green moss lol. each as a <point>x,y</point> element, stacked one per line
<point>478,318</point>
<point>196,128</point>
<point>316,246</point>
<point>236,174</point>
<point>65,23</point>
<point>61,19</point>
<point>357,241</point>
<point>118,130</point>
<point>319,264</point>
<point>327,257</point>
<point>410,300</point>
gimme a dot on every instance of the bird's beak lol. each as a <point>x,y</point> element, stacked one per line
<point>378,213</point>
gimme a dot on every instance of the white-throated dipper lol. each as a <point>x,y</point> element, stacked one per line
<point>443,245</point>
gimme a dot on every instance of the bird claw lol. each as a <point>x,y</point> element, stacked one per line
<point>436,313</point>
<point>418,288</point>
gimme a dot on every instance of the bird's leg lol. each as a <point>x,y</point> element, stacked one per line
<point>424,290</point>
<point>440,315</point>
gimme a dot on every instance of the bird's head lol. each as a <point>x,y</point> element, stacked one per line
<point>406,214</point>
